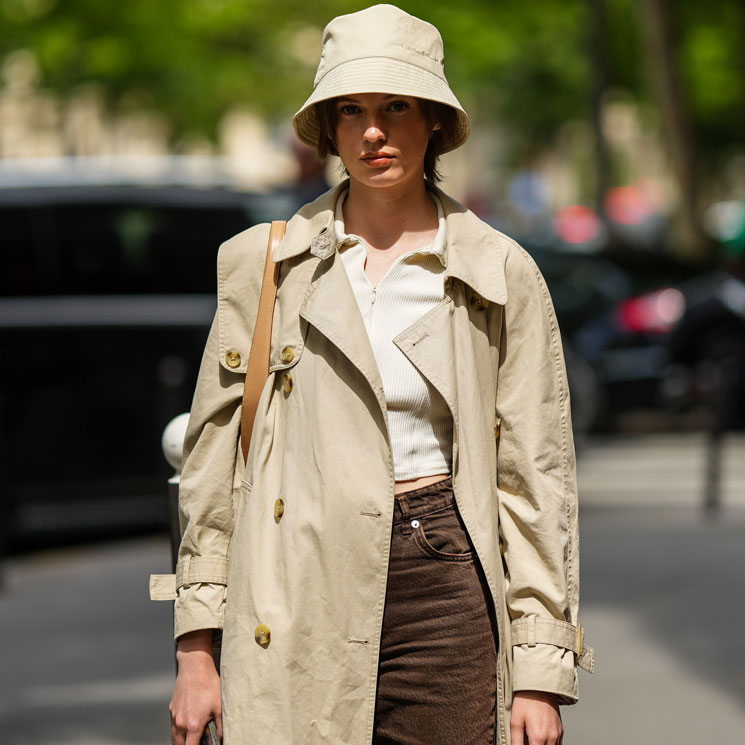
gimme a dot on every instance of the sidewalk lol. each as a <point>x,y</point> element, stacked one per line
<point>663,605</point>
<point>658,469</point>
<point>90,660</point>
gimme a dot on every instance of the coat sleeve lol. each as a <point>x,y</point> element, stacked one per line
<point>537,489</point>
<point>213,462</point>
<point>206,489</point>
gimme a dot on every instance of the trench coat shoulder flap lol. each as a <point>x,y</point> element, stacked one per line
<point>240,265</point>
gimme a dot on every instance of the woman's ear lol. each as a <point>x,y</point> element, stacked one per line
<point>436,127</point>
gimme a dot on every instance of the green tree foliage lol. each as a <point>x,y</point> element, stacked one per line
<point>194,58</point>
<point>712,41</point>
<point>523,63</point>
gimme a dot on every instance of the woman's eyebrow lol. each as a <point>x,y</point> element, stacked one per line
<point>387,97</point>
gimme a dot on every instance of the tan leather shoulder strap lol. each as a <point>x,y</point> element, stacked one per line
<point>257,370</point>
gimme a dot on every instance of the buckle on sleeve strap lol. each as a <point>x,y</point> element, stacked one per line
<point>532,630</point>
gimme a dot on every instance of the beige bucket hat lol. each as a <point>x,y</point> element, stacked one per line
<point>380,49</point>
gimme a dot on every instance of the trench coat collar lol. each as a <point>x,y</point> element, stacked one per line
<point>474,254</point>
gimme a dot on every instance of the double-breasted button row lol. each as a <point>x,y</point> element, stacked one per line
<point>262,633</point>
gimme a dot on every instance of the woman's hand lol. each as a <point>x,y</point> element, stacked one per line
<point>196,696</point>
<point>535,719</point>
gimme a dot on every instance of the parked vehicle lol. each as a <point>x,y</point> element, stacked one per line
<point>708,346</point>
<point>669,348</point>
<point>582,286</point>
<point>645,332</point>
<point>106,296</point>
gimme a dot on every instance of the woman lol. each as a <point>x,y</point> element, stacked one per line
<point>398,562</point>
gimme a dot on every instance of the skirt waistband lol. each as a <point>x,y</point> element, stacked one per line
<point>424,501</point>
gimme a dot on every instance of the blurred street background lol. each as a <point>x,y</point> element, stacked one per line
<point>608,138</point>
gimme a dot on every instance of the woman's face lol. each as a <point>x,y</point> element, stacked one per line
<point>382,138</point>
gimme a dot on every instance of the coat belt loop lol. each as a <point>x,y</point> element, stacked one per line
<point>531,631</point>
<point>186,572</point>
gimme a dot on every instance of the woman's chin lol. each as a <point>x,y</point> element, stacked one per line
<point>381,177</point>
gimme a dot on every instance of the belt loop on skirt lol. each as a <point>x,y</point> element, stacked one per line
<point>403,506</point>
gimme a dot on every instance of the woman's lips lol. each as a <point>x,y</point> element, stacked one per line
<point>377,160</point>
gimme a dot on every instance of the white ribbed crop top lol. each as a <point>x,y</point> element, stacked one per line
<point>419,421</point>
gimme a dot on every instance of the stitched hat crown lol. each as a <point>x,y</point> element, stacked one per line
<point>381,31</point>
<point>380,50</point>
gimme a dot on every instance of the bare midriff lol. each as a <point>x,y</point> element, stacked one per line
<point>422,481</point>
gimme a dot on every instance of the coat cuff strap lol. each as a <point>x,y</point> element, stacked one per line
<point>163,587</point>
<point>193,569</point>
<point>532,630</point>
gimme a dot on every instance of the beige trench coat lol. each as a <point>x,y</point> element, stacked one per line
<point>313,576</point>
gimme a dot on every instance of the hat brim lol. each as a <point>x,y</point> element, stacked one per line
<point>379,75</point>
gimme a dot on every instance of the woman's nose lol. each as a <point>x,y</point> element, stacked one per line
<point>373,133</point>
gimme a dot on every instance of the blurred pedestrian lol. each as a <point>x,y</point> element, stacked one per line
<point>398,563</point>
<point>311,174</point>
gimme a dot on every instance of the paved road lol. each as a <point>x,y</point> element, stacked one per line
<point>658,469</point>
<point>87,658</point>
<point>86,655</point>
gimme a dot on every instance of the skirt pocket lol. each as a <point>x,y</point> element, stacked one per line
<point>442,535</point>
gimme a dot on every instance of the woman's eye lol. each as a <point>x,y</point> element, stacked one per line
<point>399,106</point>
<point>349,109</point>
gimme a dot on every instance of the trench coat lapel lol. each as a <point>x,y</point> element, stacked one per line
<point>474,251</point>
<point>428,343</point>
<point>331,307</point>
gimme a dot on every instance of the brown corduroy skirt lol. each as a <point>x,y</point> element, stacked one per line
<point>438,656</point>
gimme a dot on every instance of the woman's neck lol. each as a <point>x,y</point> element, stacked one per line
<point>385,218</point>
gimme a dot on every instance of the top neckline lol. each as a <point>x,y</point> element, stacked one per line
<point>436,247</point>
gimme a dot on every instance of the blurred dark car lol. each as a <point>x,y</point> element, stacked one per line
<point>582,286</point>
<point>645,332</point>
<point>663,348</point>
<point>106,296</point>
<point>707,345</point>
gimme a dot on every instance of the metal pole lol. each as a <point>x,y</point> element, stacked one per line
<point>712,491</point>
<point>721,398</point>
